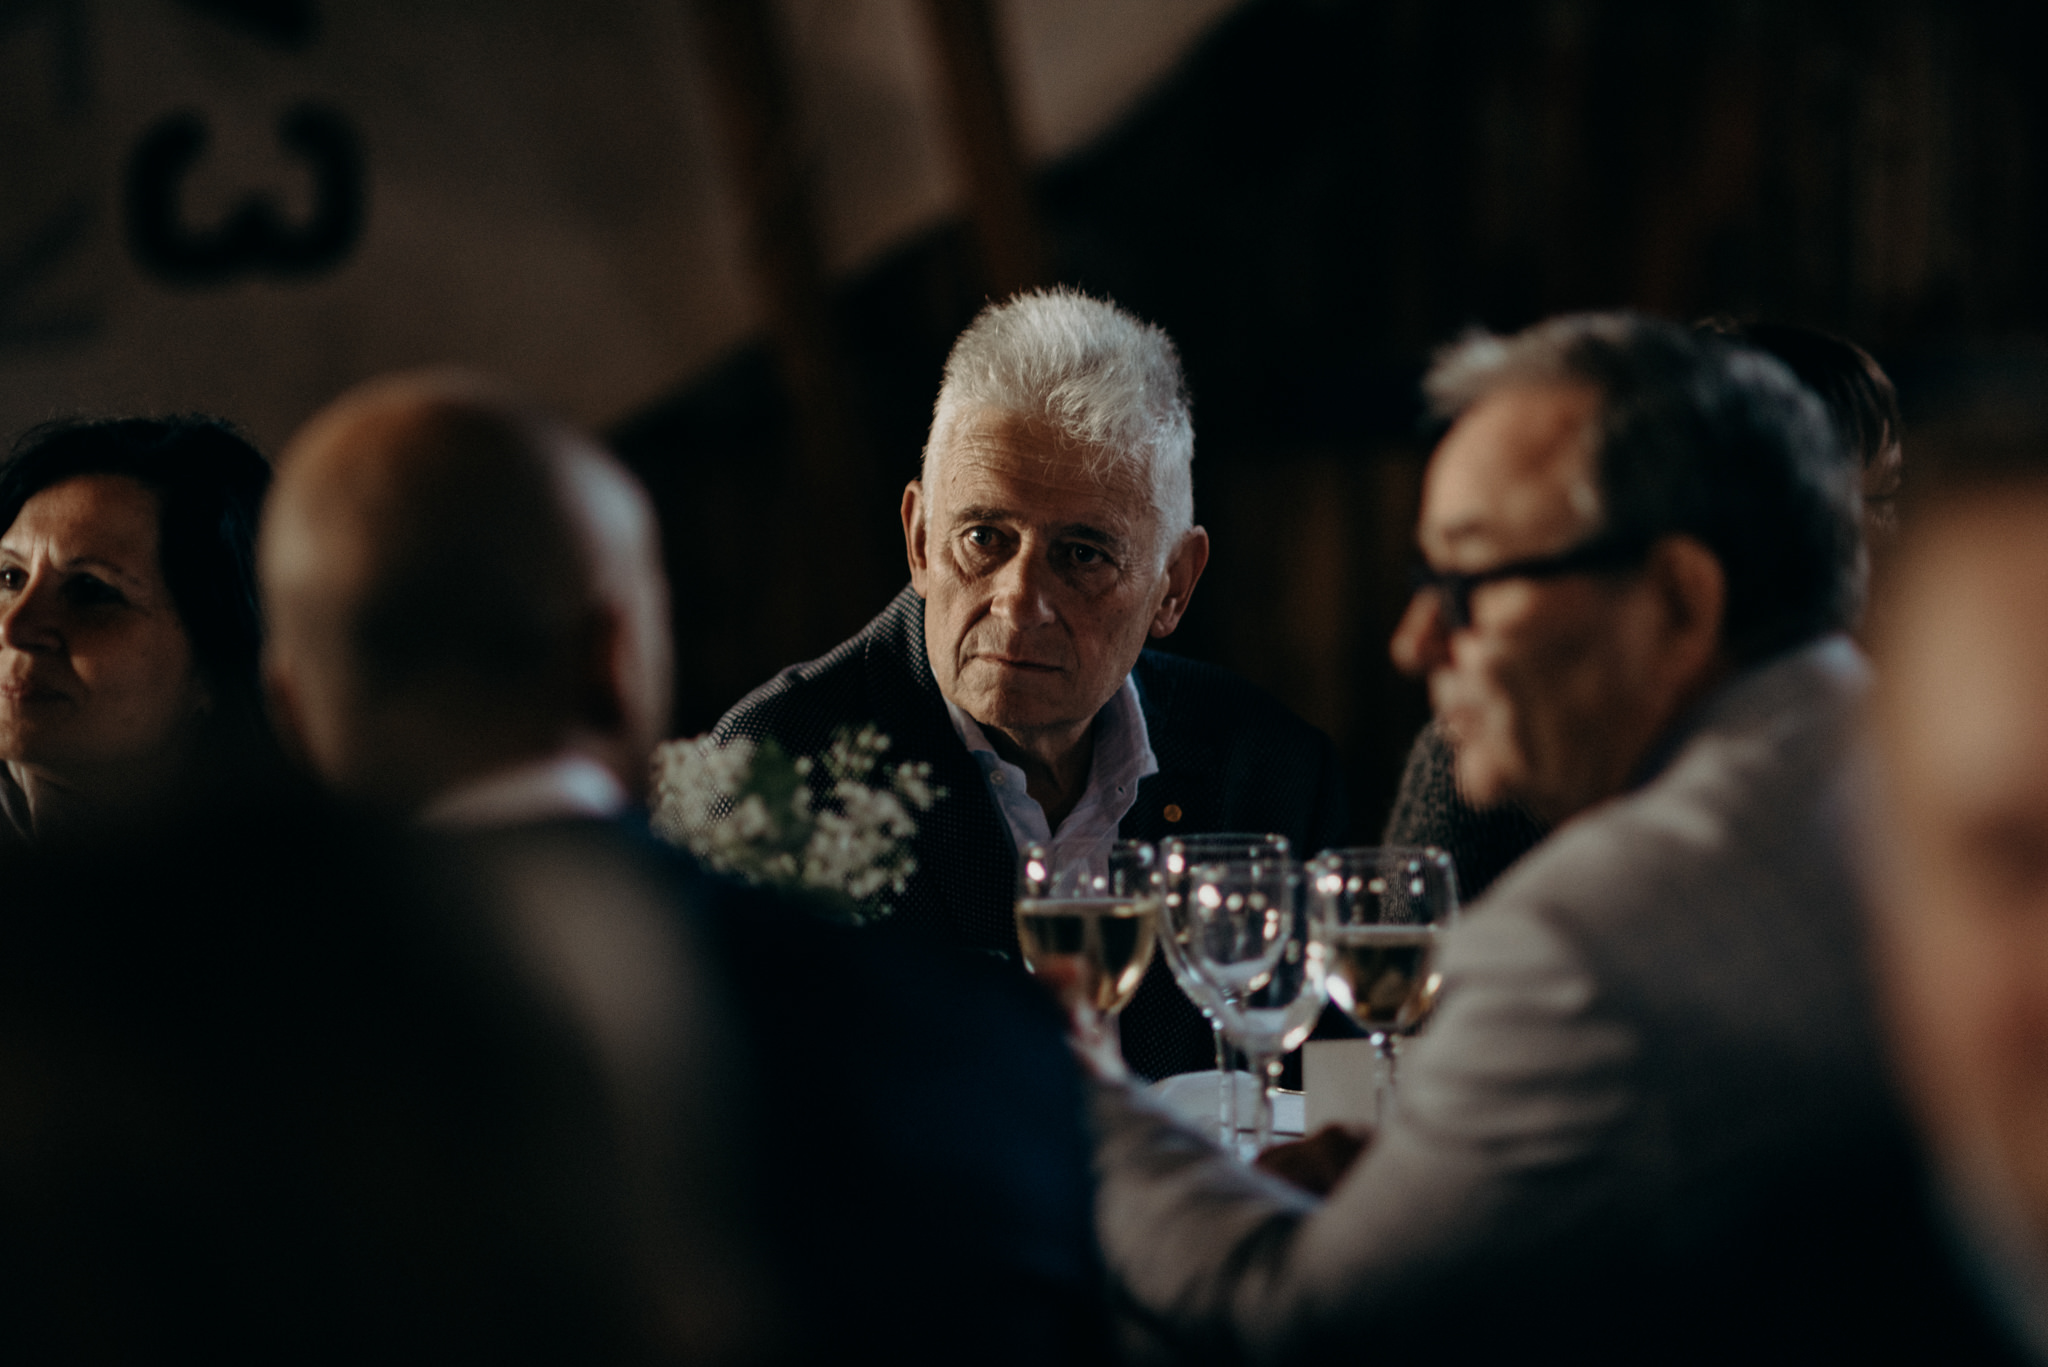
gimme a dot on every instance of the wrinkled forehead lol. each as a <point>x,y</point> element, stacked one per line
<point>1516,473</point>
<point>102,515</point>
<point>1009,462</point>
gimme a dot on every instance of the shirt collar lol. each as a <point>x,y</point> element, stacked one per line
<point>1123,756</point>
<point>1123,743</point>
<point>545,790</point>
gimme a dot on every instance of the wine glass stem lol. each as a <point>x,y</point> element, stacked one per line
<point>1267,1068</point>
<point>1383,1078</point>
<point>1226,1091</point>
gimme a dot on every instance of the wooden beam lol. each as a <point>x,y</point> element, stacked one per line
<point>986,148</point>
<point>831,576</point>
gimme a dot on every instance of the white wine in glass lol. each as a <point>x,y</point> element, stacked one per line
<point>1384,976</point>
<point>1090,921</point>
<point>1108,940</point>
<point>1378,911</point>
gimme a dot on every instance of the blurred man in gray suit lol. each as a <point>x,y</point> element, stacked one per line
<point>1638,552</point>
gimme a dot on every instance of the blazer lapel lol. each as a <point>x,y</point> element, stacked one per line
<point>965,884</point>
<point>1183,795</point>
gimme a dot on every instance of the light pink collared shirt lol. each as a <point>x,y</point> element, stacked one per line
<point>1123,756</point>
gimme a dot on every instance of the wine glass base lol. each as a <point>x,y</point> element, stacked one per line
<point>1194,1099</point>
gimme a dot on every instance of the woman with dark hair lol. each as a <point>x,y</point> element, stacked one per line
<point>129,628</point>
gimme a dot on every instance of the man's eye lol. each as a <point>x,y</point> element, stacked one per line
<point>982,537</point>
<point>1083,554</point>
<point>12,578</point>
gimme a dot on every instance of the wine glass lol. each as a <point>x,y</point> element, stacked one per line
<point>1379,911</point>
<point>1179,855</point>
<point>1251,937</point>
<point>1090,923</point>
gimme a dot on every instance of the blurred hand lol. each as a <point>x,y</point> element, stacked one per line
<point>1318,1163</point>
<point>1093,1037</point>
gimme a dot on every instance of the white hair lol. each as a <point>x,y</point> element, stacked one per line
<point>1096,376</point>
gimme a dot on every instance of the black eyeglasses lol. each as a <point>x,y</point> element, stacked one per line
<point>1453,589</point>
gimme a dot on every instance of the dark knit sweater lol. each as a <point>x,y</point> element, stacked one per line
<point>1429,810</point>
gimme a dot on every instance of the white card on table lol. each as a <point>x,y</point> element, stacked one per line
<point>1338,1077</point>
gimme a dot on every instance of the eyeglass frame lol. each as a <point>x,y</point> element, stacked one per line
<point>1603,553</point>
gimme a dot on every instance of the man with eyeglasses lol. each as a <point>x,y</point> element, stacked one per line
<point>1430,809</point>
<point>1649,1117</point>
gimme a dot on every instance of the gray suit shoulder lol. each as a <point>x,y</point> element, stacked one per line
<point>1738,847</point>
<point>1659,1008</point>
<point>1713,916</point>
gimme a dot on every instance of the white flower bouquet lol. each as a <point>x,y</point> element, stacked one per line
<point>838,824</point>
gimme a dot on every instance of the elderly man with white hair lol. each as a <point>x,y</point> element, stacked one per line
<point>1051,535</point>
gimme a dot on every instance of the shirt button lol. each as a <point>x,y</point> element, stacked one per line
<point>995,777</point>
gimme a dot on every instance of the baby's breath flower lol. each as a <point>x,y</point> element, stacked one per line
<point>758,813</point>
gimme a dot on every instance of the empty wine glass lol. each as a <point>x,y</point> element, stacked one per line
<point>1179,855</point>
<point>1093,924</point>
<point>1379,911</point>
<point>1251,937</point>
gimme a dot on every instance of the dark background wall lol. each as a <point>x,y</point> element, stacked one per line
<point>1324,192</point>
<point>246,205</point>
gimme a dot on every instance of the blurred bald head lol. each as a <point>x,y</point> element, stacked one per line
<point>1962,851</point>
<point>457,584</point>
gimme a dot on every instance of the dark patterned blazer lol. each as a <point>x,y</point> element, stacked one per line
<point>1230,759</point>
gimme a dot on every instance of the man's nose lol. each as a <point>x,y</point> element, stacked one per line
<point>1420,642</point>
<point>27,621</point>
<point>1023,589</point>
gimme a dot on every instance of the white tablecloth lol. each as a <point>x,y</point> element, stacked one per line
<point>1192,1097</point>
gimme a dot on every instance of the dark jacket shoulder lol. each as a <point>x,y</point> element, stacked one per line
<point>880,674</point>
<point>1232,758</point>
<point>1206,709</point>
<point>964,886</point>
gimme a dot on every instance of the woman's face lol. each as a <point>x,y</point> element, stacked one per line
<point>95,668</point>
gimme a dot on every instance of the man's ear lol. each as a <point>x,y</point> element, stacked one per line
<point>1692,590</point>
<point>1183,570</point>
<point>604,682</point>
<point>913,533</point>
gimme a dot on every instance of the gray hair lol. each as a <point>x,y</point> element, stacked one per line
<point>1703,436</point>
<point>1092,373</point>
